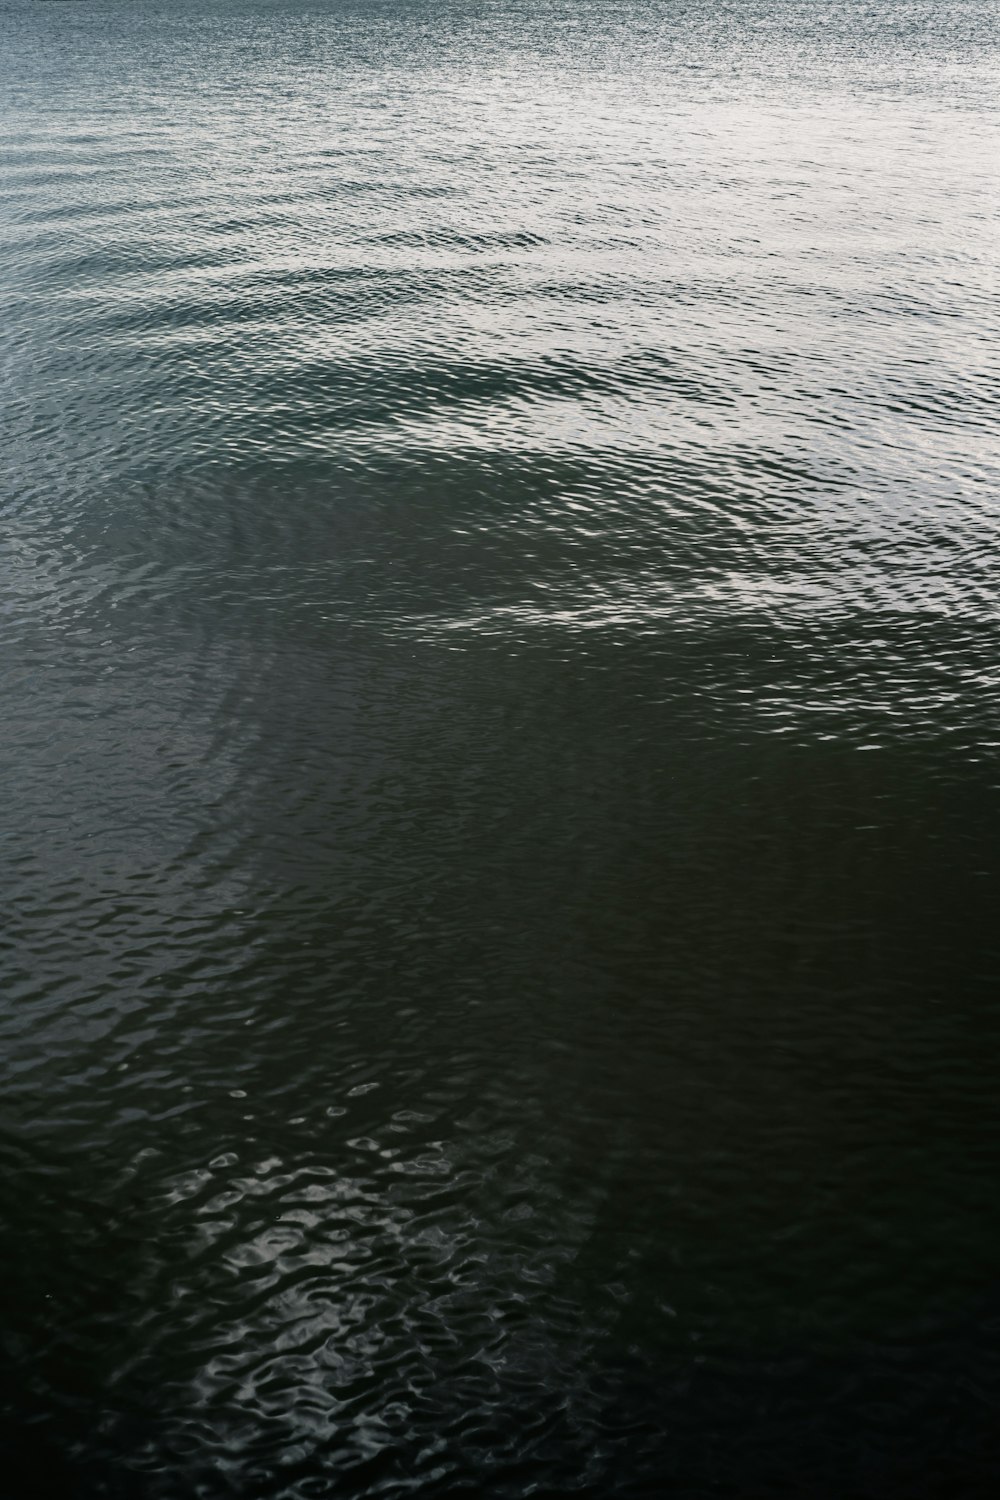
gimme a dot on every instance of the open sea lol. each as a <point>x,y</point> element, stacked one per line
<point>500,749</point>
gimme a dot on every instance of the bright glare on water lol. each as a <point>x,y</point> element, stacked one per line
<point>499,741</point>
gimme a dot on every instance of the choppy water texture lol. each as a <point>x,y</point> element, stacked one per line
<point>499,749</point>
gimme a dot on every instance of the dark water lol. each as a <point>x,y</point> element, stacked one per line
<point>500,644</point>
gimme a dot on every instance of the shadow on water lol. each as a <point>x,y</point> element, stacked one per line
<point>607,1155</point>
<point>72,1255</point>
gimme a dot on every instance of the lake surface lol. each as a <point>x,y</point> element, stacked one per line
<point>500,677</point>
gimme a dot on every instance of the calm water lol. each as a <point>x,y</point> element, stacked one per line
<point>500,666</point>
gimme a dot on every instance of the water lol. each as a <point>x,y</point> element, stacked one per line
<point>499,748</point>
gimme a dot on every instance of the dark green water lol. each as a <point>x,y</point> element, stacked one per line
<point>499,741</point>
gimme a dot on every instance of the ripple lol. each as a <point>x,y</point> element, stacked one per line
<point>500,734</point>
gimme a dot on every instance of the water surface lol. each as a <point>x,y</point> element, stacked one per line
<point>499,744</point>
